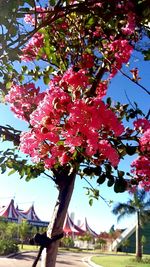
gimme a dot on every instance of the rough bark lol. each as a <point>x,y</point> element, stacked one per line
<point>55,227</point>
<point>138,238</point>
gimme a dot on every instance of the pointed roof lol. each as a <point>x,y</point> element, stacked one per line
<point>88,229</point>
<point>70,228</point>
<point>9,211</point>
<point>30,214</point>
<point>125,235</point>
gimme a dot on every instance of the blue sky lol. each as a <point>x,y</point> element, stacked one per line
<point>42,191</point>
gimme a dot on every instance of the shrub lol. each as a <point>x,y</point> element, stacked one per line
<point>8,246</point>
<point>68,242</point>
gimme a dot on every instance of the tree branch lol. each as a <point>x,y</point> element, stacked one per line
<point>10,134</point>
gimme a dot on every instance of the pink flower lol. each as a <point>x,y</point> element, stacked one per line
<point>31,50</point>
<point>141,167</point>
<point>76,79</point>
<point>49,163</point>
<point>62,124</point>
<point>145,142</point>
<point>109,152</point>
<point>130,26</point>
<point>141,170</point>
<point>141,125</point>
<point>101,89</point>
<point>120,53</point>
<point>24,99</point>
<point>87,61</point>
<point>64,159</point>
<point>30,19</point>
<point>29,145</point>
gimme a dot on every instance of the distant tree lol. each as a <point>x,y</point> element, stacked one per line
<point>24,231</point>
<point>126,244</point>
<point>3,226</point>
<point>67,241</point>
<point>139,204</point>
<point>100,243</point>
<point>8,238</point>
<point>11,230</point>
<point>143,241</point>
<point>87,237</point>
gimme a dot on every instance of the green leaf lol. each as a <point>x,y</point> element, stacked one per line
<point>52,2</point>
<point>90,22</point>
<point>22,173</point>
<point>109,101</point>
<point>97,170</point>
<point>120,185</point>
<point>101,179</point>
<point>108,168</point>
<point>2,159</point>
<point>131,150</point>
<point>120,174</point>
<point>11,172</point>
<point>46,79</point>
<point>88,171</point>
<point>8,85</point>
<point>147,55</point>
<point>9,164</point>
<point>91,202</point>
<point>96,193</point>
<point>3,168</point>
<point>110,182</point>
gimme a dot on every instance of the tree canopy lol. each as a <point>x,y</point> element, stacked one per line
<point>77,47</point>
<point>58,59</point>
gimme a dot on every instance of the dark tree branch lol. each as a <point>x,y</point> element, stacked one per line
<point>98,77</point>
<point>141,86</point>
<point>10,134</point>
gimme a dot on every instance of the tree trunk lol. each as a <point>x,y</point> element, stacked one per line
<point>55,227</point>
<point>138,238</point>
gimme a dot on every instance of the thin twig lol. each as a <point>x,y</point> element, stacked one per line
<point>49,176</point>
<point>128,77</point>
<point>141,86</point>
<point>106,202</point>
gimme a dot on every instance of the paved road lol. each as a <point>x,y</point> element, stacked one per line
<point>64,259</point>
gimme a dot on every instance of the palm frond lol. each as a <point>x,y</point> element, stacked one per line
<point>147,204</point>
<point>140,202</point>
<point>144,217</point>
<point>122,210</point>
<point>142,194</point>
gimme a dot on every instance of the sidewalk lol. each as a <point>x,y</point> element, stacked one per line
<point>87,260</point>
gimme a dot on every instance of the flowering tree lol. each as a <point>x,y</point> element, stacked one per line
<point>69,51</point>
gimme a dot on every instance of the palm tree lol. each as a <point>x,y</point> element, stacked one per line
<point>139,205</point>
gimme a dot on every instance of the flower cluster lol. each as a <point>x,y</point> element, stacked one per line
<point>145,142</point>
<point>141,170</point>
<point>67,122</point>
<point>24,99</point>
<point>40,15</point>
<point>141,125</point>
<point>118,52</point>
<point>130,25</point>
<point>63,125</point>
<point>87,61</point>
<point>101,89</point>
<point>31,50</point>
<point>76,79</point>
<point>141,165</point>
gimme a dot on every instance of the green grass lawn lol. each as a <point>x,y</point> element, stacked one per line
<point>120,261</point>
<point>28,248</point>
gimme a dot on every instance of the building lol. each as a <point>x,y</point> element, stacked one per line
<point>10,213</point>
<point>130,235</point>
